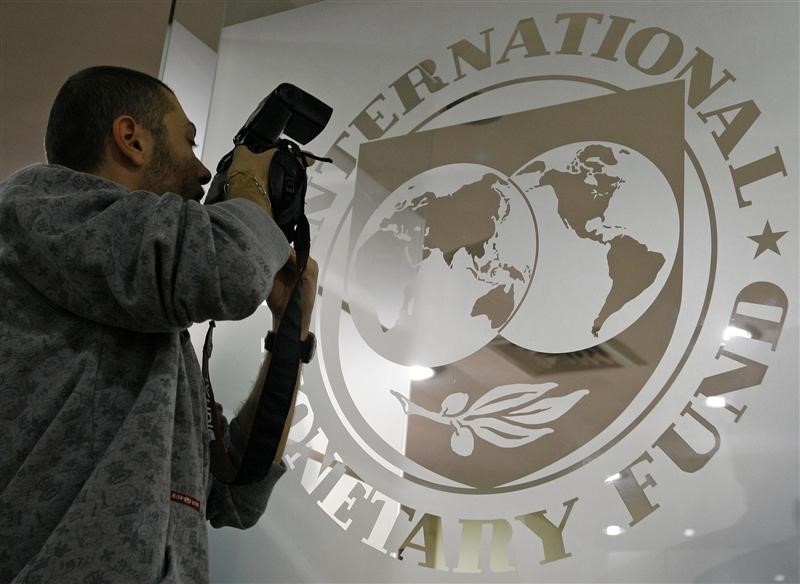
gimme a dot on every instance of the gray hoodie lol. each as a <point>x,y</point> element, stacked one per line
<point>104,464</point>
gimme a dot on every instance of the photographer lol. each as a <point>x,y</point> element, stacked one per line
<point>106,258</point>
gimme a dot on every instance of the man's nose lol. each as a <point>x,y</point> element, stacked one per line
<point>205,174</point>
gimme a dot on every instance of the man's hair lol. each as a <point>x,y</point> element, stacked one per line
<point>87,105</point>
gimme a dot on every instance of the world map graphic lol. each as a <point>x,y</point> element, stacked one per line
<point>448,258</point>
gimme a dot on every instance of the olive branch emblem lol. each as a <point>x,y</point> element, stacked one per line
<point>508,416</point>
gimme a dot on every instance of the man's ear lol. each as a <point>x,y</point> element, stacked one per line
<point>131,140</point>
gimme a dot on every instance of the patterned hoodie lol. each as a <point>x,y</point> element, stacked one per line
<point>104,465</point>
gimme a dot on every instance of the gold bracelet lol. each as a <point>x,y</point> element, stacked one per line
<point>251,177</point>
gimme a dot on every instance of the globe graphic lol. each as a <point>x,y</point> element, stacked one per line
<point>442,265</point>
<point>608,230</point>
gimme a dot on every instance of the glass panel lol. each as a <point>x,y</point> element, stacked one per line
<point>556,318</point>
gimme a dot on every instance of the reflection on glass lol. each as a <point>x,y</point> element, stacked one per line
<point>715,401</point>
<point>735,331</point>
<point>419,373</point>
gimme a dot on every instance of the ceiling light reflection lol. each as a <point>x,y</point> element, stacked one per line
<point>735,331</point>
<point>688,532</point>
<point>418,373</point>
<point>614,477</point>
<point>614,530</point>
<point>715,401</point>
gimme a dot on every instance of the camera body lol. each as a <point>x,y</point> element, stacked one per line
<point>299,115</point>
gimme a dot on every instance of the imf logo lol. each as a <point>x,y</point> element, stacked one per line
<point>549,248</point>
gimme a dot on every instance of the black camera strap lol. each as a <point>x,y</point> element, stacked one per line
<point>287,186</point>
<point>274,404</point>
<point>276,393</point>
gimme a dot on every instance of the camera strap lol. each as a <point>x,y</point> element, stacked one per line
<point>278,389</point>
<point>274,404</point>
<point>276,394</point>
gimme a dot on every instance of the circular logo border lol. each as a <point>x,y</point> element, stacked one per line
<point>370,435</point>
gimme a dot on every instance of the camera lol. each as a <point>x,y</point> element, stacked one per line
<point>299,115</point>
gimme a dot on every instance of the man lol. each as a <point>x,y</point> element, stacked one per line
<point>106,258</point>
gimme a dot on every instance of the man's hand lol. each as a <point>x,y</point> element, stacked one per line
<point>252,183</point>
<point>256,164</point>
<point>282,287</point>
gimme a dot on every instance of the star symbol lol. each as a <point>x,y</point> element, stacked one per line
<point>768,240</point>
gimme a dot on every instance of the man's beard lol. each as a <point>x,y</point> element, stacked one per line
<point>167,175</point>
